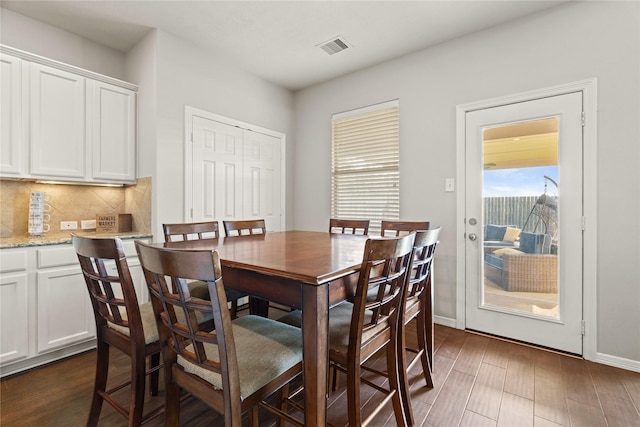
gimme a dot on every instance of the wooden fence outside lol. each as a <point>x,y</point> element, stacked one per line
<point>512,211</point>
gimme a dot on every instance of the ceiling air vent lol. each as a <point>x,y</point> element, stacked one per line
<point>335,45</point>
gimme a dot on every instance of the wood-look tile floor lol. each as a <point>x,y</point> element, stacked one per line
<point>479,381</point>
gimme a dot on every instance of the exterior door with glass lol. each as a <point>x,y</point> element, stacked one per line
<point>524,210</point>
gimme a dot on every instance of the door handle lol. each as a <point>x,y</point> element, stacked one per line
<point>473,237</point>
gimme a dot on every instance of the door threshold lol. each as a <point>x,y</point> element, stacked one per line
<point>526,344</point>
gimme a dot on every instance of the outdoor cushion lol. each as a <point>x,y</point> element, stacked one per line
<point>494,232</point>
<point>503,251</point>
<point>532,243</point>
<point>500,243</point>
<point>512,234</point>
<point>493,260</point>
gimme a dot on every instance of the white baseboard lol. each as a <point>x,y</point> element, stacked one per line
<point>617,362</point>
<point>444,321</point>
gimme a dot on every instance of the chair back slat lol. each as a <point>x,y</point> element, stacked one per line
<point>191,231</point>
<point>244,227</point>
<point>399,228</point>
<point>349,226</point>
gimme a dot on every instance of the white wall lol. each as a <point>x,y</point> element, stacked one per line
<point>561,45</point>
<point>188,76</point>
<point>33,36</point>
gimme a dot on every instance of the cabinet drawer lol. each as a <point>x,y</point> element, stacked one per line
<point>13,260</point>
<point>56,256</point>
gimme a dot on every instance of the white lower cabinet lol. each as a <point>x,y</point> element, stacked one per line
<point>64,310</point>
<point>14,338</point>
<point>45,310</point>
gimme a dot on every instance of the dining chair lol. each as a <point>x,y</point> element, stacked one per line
<point>358,329</point>
<point>419,306</point>
<point>244,227</point>
<point>232,368</point>
<point>349,226</point>
<point>199,231</point>
<point>121,323</point>
<point>398,228</point>
<point>249,227</point>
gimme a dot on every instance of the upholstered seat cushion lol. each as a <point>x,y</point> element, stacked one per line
<point>148,323</point>
<point>265,348</point>
<point>199,289</point>
<point>339,325</point>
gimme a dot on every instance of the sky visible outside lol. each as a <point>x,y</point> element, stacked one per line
<point>520,181</point>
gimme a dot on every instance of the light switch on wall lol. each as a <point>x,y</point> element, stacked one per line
<point>449,184</point>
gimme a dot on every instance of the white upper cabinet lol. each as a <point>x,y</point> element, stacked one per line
<point>114,133</point>
<point>58,124</point>
<point>63,123</point>
<point>12,161</point>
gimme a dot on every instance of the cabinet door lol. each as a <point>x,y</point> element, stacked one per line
<point>113,133</point>
<point>65,315</point>
<point>11,135</point>
<point>14,338</point>
<point>57,123</point>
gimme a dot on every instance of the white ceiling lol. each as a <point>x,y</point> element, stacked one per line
<point>277,40</point>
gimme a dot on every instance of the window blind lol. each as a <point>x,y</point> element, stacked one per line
<point>365,164</point>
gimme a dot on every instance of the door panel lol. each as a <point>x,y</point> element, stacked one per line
<point>524,274</point>
<point>216,177</point>
<point>236,174</point>
<point>262,178</point>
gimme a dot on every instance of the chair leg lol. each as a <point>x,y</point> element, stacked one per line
<point>402,382</point>
<point>258,306</point>
<point>281,403</point>
<point>427,311</point>
<point>253,417</point>
<point>334,377</point>
<point>234,309</point>
<point>398,381</point>
<point>155,376</point>
<point>353,393</point>
<point>423,347</point>
<point>136,398</point>
<point>102,371</point>
<point>172,395</point>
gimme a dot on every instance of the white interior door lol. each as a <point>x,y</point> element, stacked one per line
<point>525,284</point>
<point>233,173</point>
<point>261,166</point>
<point>217,171</point>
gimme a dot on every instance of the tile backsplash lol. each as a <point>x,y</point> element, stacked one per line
<point>73,203</point>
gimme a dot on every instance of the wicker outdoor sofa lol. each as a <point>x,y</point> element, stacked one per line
<point>529,268</point>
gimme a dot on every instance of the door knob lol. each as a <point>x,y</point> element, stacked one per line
<point>472,237</point>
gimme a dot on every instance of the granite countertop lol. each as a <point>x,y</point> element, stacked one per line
<point>61,238</point>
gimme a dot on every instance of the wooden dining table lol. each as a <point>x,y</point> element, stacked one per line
<point>306,270</point>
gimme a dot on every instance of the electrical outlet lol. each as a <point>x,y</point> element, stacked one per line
<point>68,225</point>
<point>88,224</point>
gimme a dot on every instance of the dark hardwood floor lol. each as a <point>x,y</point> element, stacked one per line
<point>479,381</point>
